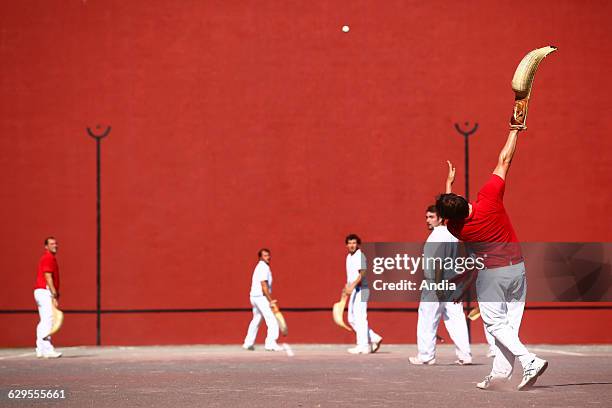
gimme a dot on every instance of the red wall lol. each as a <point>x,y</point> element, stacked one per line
<point>238,125</point>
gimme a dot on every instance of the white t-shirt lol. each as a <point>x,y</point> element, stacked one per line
<point>261,273</point>
<point>441,234</point>
<point>440,244</point>
<point>354,263</point>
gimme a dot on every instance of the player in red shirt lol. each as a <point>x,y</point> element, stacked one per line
<point>501,286</point>
<point>46,294</point>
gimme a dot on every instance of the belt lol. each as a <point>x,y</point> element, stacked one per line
<point>506,262</point>
<point>516,261</point>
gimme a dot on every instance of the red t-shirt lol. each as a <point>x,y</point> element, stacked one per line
<point>488,228</point>
<point>47,263</point>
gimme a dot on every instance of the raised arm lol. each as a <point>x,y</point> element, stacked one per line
<point>450,179</point>
<point>505,156</point>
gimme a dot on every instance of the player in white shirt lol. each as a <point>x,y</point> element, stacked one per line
<point>440,243</point>
<point>357,288</point>
<point>261,299</point>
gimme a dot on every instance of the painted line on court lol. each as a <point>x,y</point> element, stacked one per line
<point>287,348</point>
<point>566,353</point>
<point>18,355</point>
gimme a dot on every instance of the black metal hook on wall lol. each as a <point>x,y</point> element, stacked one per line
<point>100,136</point>
<point>466,134</point>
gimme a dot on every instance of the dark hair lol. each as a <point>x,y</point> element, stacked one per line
<point>452,207</point>
<point>351,237</point>
<point>432,209</point>
<point>262,250</point>
<point>47,240</point>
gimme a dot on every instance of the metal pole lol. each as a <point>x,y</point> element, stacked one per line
<point>466,134</point>
<point>98,138</point>
<point>466,144</point>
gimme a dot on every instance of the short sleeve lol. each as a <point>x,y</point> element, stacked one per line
<point>364,262</point>
<point>47,265</point>
<point>493,189</point>
<point>261,273</point>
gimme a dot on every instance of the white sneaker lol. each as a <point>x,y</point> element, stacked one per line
<point>531,373</point>
<point>464,361</point>
<point>360,350</point>
<point>491,382</point>
<point>52,354</point>
<point>274,347</point>
<point>418,361</point>
<point>491,353</point>
<point>39,353</point>
<point>376,344</point>
<point>250,348</point>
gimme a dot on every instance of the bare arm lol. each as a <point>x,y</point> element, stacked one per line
<point>506,155</point>
<point>442,252</point>
<point>469,277</point>
<point>450,179</point>
<point>266,291</point>
<point>51,286</point>
<point>348,289</point>
<point>438,279</point>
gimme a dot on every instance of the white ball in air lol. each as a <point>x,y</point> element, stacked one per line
<point>345,29</point>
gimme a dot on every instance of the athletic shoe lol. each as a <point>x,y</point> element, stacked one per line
<point>464,362</point>
<point>491,382</point>
<point>52,354</point>
<point>531,373</point>
<point>491,353</point>
<point>274,347</point>
<point>418,361</point>
<point>360,350</point>
<point>250,348</point>
<point>376,345</point>
<point>39,353</point>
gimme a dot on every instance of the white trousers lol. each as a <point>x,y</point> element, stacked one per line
<point>502,319</point>
<point>45,312</point>
<point>358,318</point>
<point>261,308</point>
<point>430,313</point>
<point>490,340</point>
